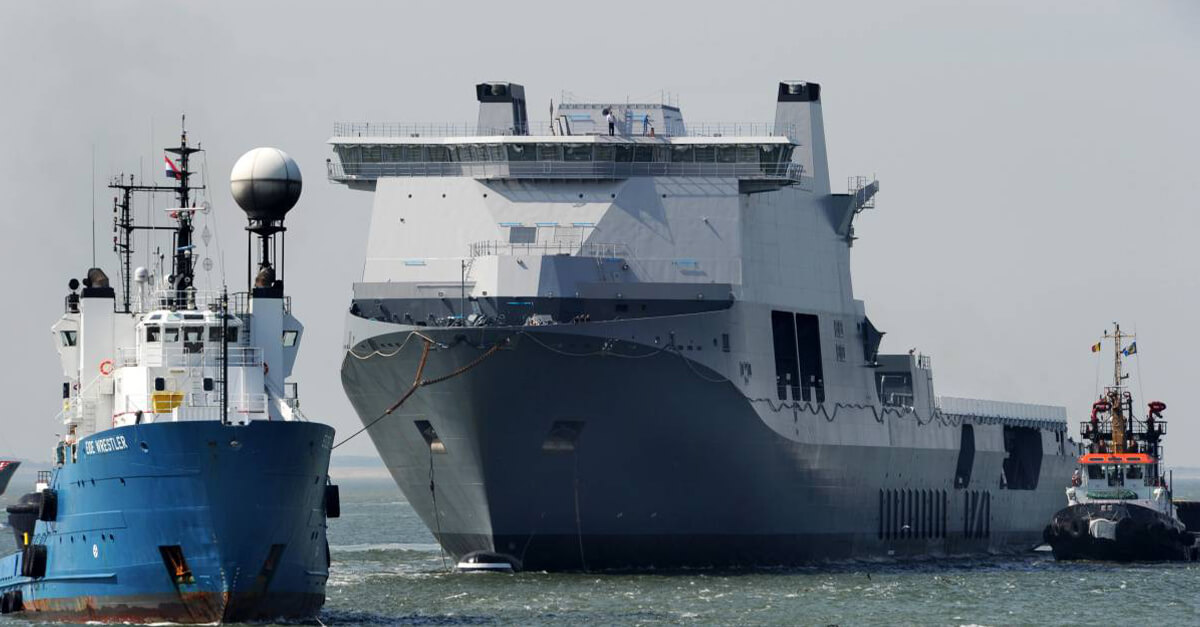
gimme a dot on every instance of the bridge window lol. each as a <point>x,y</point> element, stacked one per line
<point>170,334</point>
<point>154,334</point>
<point>522,152</point>
<point>683,154</point>
<point>215,333</point>
<point>69,338</point>
<point>573,152</point>
<point>193,339</point>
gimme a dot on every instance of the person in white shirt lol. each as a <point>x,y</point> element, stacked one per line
<point>612,122</point>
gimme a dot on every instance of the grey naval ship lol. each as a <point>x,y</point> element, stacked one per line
<point>615,340</point>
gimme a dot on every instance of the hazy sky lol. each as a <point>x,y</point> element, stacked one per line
<point>1037,159</point>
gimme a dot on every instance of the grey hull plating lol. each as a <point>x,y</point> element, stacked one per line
<point>667,463</point>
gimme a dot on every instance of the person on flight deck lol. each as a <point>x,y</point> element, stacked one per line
<point>645,124</point>
<point>612,122</point>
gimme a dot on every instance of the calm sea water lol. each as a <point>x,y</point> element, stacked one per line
<point>387,570</point>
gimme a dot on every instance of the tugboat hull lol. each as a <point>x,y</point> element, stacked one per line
<point>1117,532</point>
<point>187,522</point>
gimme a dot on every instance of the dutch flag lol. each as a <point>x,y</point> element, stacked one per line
<point>171,171</point>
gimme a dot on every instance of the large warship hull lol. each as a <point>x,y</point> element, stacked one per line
<point>563,451</point>
<point>190,522</point>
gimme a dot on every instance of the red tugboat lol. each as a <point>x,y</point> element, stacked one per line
<point>1119,504</point>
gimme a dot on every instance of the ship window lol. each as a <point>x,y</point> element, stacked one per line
<point>436,153</point>
<point>171,334</point>
<point>522,234</point>
<point>577,153</point>
<point>160,384</point>
<point>1115,476</point>
<point>747,154</point>
<point>153,334</point>
<point>193,339</point>
<point>215,333</point>
<point>705,154</point>
<point>522,152</point>
<point>290,336</point>
<point>549,152</point>
<point>770,155</point>
<point>1135,472</point>
<point>683,154</point>
<point>643,154</point>
<point>208,384</point>
<point>371,154</point>
<point>605,153</point>
<point>69,338</point>
<point>623,154</point>
<point>726,154</point>
<point>1095,471</point>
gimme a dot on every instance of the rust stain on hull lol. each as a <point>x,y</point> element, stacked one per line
<point>186,608</point>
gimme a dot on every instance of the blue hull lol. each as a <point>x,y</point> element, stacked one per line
<point>184,522</point>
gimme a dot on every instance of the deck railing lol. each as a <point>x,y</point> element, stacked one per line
<point>157,355</point>
<point>345,130</point>
<point>601,250</point>
<point>567,170</point>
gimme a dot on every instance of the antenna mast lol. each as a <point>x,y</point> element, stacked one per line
<point>182,275</point>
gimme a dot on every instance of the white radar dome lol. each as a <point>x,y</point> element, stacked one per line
<point>266,184</point>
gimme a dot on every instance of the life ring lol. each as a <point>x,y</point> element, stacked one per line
<point>107,367</point>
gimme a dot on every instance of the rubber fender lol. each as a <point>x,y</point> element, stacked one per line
<point>18,602</point>
<point>6,603</point>
<point>33,561</point>
<point>1125,528</point>
<point>1078,528</point>
<point>333,502</point>
<point>48,512</point>
<point>1047,534</point>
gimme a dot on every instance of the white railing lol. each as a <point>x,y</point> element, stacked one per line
<point>545,249</point>
<point>199,300</point>
<point>345,130</point>
<point>158,355</point>
<point>591,170</point>
<point>194,406</point>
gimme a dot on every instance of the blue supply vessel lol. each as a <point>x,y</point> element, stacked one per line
<point>187,485</point>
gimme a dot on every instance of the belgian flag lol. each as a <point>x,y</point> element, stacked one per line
<point>1096,347</point>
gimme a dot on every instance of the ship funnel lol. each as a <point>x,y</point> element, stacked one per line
<point>502,109</point>
<point>798,114</point>
<point>266,184</point>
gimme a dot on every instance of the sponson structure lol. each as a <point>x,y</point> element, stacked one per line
<point>581,347</point>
